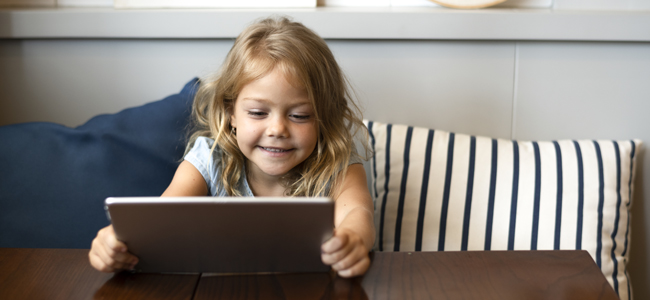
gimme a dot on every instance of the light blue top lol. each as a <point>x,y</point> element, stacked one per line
<point>208,165</point>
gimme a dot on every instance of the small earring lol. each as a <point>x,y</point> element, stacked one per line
<point>233,130</point>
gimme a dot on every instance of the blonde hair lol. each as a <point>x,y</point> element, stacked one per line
<point>306,61</point>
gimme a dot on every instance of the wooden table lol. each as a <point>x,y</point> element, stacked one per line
<point>66,274</point>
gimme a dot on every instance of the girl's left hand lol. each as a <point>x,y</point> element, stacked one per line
<point>346,253</point>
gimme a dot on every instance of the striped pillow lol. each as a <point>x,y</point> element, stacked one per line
<point>440,191</point>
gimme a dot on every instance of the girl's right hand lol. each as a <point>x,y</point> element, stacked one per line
<point>107,254</point>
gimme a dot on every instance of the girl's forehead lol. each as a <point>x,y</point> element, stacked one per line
<point>276,84</point>
<point>289,73</point>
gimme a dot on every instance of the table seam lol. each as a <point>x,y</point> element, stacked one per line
<point>196,286</point>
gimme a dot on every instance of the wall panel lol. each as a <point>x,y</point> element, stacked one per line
<point>591,91</point>
<point>69,81</point>
<point>456,86</point>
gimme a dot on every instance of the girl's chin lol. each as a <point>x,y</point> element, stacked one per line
<point>271,171</point>
<point>276,173</point>
<point>269,168</point>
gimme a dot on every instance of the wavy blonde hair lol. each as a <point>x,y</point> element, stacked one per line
<point>307,62</point>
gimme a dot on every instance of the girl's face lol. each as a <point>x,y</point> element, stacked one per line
<point>276,129</point>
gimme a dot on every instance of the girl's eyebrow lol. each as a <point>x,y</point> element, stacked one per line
<point>255,99</point>
<point>266,101</point>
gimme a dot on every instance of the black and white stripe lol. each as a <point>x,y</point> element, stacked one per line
<point>440,191</point>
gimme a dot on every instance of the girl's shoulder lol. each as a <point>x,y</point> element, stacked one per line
<point>206,161</point>
<point>203,141</point>
<point>202,151</point>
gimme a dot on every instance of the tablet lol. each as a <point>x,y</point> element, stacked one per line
<point>223,235</point>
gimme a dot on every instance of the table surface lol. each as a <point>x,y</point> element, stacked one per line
<point>66,274</point>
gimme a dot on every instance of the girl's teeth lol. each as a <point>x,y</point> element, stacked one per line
<point>273,150</point>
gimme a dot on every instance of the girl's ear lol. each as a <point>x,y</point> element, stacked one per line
<point>233,121</point>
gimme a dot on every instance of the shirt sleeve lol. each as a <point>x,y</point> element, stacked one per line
<point>355,159</point>
<point>204,160</point>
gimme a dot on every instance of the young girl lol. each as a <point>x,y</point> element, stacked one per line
<point>277,120</point>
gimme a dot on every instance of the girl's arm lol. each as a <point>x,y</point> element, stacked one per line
<point>108,254</point>
<point>187,181</point>
<point>354,233</point>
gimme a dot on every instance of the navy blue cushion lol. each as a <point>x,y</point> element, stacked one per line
<point>54,179</point>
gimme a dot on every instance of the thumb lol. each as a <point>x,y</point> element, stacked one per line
<point>338,241</point>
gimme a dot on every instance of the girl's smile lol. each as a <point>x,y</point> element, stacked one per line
<point>276,127</point>
<point>275,151</point>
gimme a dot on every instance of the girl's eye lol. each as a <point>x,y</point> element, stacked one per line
<point>257,113</point>
<point>301,117</point>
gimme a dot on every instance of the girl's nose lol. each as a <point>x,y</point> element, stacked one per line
<point>277,128</point>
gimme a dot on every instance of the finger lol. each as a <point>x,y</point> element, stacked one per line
<point>332,245</point>
<point>99,264</point>
<point>335,243</point>
<point>121,257</point>
<point>125,261</point>
<point>335,257</point>
<point>110,264</point>
<point>352,258</point>
<point>103,256</point>
<point>95,261</point>
<point>110,240</point>
<point>116,249</point>
<point>357,269</point>
<point>98,259</point>
<point>112,259</point>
